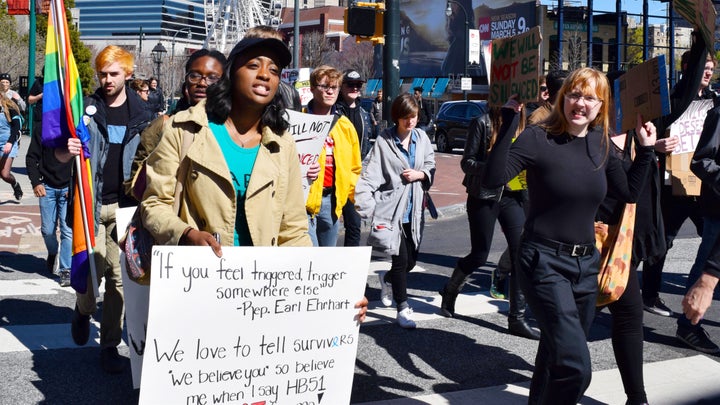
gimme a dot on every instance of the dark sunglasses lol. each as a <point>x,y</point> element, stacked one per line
<point>543,88</point>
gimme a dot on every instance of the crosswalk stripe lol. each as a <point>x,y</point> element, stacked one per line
<point>42,337</point>
<point>30,286</point>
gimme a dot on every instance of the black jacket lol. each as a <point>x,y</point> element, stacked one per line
<point>365,131</point>
<point>290,97</point>
<point>475,154</point>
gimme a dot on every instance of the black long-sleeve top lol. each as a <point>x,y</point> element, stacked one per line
<point>43,167</point>
<point>567,178</point>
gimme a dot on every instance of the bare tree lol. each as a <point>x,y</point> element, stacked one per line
<point>357,56</point>
<point>576,52</point>
<point>316,49</point>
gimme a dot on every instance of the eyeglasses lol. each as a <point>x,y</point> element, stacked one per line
<point>589,100</point>
<point>196,78</point>
<point>543,88</point>
<point>353,85</point>
<point>144,91</point>
<point>326,88</point>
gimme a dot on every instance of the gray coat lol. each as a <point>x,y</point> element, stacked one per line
<point>381,193</point>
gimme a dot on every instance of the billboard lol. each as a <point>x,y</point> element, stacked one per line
<point>434,45</point>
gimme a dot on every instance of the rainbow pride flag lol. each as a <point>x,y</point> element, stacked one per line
<point>63,118</point>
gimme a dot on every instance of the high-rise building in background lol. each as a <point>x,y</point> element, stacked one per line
<point>138,25</point>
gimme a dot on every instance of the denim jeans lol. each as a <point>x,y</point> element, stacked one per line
<point>324,227</point>
<point>710,234</point>
<point>53,210</point>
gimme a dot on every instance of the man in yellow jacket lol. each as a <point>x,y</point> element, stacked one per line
<point>339,166</point>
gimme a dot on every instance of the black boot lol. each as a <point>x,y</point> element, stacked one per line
<point>517,325</point>
<point>450,292</point>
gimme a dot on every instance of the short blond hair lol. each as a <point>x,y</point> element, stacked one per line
<point>111,54</point>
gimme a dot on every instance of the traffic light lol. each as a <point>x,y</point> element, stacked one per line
<point>365,22</point>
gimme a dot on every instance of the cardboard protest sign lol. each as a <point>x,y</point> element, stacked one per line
<point>309,131</point>
<point>261,325</point>
<point>643,89</point>
<point>701,14</point>
<point>515,67</point>
<point>687,128</point>
<point>137,298</point>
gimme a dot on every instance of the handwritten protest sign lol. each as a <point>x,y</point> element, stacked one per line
<point>701,14</point>
<point>687,128</point>
<point>643,89</point>
<point>689,125</point>
<point>309,131</point>
<point>261,325</point>
<point>515,67</point>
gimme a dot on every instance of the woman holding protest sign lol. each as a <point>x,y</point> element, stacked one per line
<point>243,186</point>
<point>242,162</point>
<point>558,261</point>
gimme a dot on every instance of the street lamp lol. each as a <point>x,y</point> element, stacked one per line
<point>158,53</point>
<point>172,56</point>
<point>449,12</point>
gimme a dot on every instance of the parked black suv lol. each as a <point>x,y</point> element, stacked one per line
<point>453,120</point>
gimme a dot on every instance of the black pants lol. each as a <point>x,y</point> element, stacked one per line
<point>401,266</point>
<point>510,212</point>
<point>627,338</point>
<point>352,222</point>
<point>675,210</point>
<point>561,291</point>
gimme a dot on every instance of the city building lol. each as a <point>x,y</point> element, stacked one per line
<point>138,25</point>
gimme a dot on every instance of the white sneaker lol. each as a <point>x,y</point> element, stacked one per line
<point>385,290</point>
<point>404,319</point>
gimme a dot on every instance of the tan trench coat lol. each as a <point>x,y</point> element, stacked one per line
<point>274,206</point>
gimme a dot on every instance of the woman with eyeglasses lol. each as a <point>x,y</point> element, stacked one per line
<point>238,131</point>
<point>142,89</point>
<point>569,170</point>
<point>203,69</point>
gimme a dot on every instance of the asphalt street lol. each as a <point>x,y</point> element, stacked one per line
<point>467,360</point>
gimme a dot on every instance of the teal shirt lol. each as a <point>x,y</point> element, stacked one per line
<point>240,161</point>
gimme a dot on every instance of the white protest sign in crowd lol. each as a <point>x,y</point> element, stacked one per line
<point>689,125</point>
<point>261,325</point>
<point>309,131</point>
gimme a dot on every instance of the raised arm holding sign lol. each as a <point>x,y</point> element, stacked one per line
<point>701,14</point>
<point>515,67</point>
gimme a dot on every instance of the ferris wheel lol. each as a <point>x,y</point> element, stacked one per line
<point>226,21</point>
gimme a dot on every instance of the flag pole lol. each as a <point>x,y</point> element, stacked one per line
<point>83,208</point>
